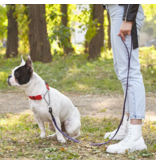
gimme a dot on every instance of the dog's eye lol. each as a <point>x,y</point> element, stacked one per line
<point>16,74</point>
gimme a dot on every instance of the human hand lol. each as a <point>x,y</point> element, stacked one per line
<point>125,29</point>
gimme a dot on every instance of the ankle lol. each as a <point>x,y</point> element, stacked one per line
<point>136,121</point>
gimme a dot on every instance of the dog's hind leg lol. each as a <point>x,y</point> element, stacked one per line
<point>73,127</point>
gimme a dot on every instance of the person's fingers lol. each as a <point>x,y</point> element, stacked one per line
<point>120,33</point>
<point>129,32</point>
<point>122,36</point>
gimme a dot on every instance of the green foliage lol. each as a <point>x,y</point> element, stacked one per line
<point>150,19</point>
<point>106,26</point>
<point>59,33</point>
<point>3,22</point>
<point>147,56</point>
<point>149,10</point>
<point>23,29</point>
<point>85,18</point>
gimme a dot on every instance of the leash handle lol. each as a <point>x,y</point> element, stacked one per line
<point>98,144</point>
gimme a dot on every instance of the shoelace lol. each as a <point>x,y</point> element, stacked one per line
<point>127,137</point>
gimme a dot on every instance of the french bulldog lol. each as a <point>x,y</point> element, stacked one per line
<point>65,113</point>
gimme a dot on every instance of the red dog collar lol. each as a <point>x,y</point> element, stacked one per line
<point>38,97</point>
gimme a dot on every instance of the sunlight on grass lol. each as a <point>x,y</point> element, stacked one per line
<point>81,86</point>
<point>74,73</point>
<point>3,76</point>
<point>14,120</point>
<point>2,52</point>
<point>20,139</point>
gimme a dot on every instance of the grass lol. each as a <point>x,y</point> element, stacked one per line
<point>19,139</point>
<point>72,74</point>
<point>78,75</point>
<point>19,133</point>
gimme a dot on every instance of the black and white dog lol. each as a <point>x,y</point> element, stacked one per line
<point>64,111</point>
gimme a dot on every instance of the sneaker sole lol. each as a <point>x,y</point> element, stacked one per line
<point>122,151</point>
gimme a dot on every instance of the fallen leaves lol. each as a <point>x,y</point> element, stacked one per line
<point>63,149</point>
<point>22,141</point>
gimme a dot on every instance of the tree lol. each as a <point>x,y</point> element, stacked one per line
<point>38,39</point>
<point>3,22</point>
<point>64,8</point>
<point>97,41</point>
<point>12,34</point>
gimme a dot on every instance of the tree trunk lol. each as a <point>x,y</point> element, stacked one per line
<point>64,8</point>
<point>38,39</point>
<point>12,34</point>
<point>97,41</point>
<point>109,36</point>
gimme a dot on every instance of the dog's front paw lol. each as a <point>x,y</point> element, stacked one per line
<point>43,135</point>
<point>62,140</point>
<point>53,136</point>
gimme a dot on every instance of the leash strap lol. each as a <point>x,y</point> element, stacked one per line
<point>53,118</point>
<point>98,144</point>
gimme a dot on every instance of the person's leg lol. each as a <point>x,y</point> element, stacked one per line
<point>139,23</point>
<point>123,129</point>
<point>115,55</point>
<point>136,91</point>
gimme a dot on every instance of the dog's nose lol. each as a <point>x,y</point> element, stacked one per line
<point>8,79</point>
<point>9,76</point>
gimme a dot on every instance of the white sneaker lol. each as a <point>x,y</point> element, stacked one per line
<point>122,131</point>
<point>132,142</point>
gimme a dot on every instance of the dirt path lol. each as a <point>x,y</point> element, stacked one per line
<point>88,105</point>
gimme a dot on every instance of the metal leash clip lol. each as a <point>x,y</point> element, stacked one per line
<point>50,111</point>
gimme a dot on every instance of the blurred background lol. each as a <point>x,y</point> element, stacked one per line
<point>70,28</point>
<point>70,47</point>
<point>74,39</point>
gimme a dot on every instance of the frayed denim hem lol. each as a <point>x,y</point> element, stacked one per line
<point>133,116</point>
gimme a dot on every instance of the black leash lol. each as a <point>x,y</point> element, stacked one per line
<point>97,144</point>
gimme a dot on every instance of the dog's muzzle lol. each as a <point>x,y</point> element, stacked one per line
<point>8,79</point>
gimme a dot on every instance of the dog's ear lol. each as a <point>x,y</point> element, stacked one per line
<point>22,62</point>
<point>29,65</point>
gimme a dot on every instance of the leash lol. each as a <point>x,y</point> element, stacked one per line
<point>97,144</point>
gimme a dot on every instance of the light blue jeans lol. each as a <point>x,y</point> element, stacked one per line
<point>135,104</point>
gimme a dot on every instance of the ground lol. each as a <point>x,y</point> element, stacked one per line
<point>100,106</point>
<point>19,135</point>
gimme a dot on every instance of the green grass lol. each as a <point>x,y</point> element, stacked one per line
<point>19,133</point>
<point>19,139</point>
<point>78,75</point>
<point>72,74</point>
